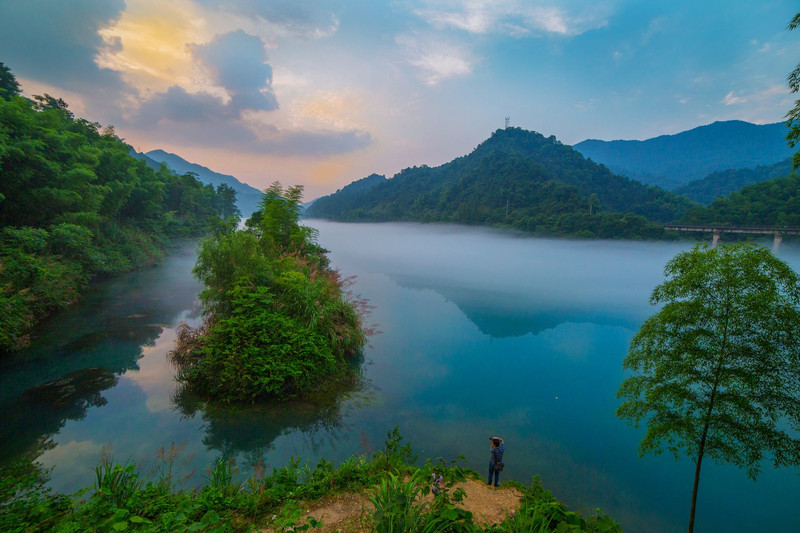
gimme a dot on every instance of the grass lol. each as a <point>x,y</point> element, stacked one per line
<point>121,500</point>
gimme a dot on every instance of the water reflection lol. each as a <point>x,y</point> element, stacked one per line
<point>42,410</point>
<point>80,353</point>
<point>501,314</point>
<point>251,430</point>
<point>506,284</point>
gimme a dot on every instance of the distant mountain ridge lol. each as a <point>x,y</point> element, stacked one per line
<point>247,197</point>
<point>518,179</point>
<point>670,161</point>
<point>723,183</point>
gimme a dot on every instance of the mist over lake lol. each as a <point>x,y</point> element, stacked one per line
<point>482,332</point>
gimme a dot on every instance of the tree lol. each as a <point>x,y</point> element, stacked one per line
<point>50,103</point>
<point>793,116</point>
<point>717,370</point>
<point>277,222</point>
<point>8,83</point>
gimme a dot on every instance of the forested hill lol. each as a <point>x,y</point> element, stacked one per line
<point>721,184</point>
<point>774,203</point>
<point>345,199</point>
<point>670,161</point>
<point>516,178</point>
<point>247,197</point>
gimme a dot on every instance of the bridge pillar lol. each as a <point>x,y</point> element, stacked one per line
<point>776,243</point>
<point>715,238</point>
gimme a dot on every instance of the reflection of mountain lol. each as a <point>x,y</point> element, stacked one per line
<point>80,353</point>
<point>503,314</point>
<point>251,429</point>
<point>41,411</point>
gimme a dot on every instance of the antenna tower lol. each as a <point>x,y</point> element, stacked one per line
<point>507,121</point>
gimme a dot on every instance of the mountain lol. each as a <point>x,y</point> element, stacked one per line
<point>247,197</point>
<point>670,161</point>
<point>720,184</point>
<point>518,179</point>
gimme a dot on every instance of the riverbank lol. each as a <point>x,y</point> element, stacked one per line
<point>385,491</point>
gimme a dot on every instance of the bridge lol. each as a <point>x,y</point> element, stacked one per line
<point>716,231</point>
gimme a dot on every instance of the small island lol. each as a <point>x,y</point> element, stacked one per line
<point>278,322</point>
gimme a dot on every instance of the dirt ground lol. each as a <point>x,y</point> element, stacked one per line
<point>345,512</point>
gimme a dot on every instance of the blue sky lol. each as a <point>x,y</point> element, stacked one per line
<point>321,93</point>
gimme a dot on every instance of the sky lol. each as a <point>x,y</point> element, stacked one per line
<point>320,93</point>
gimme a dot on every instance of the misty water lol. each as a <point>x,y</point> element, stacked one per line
<point>481,333</point>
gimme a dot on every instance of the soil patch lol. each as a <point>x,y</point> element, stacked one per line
<point>349,512</point>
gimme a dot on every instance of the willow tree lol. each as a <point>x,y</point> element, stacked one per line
<point>716,372</point>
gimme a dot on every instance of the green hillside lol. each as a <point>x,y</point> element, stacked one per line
<point>518,179</point>
<point>774,203</point>
<point>720,184</point>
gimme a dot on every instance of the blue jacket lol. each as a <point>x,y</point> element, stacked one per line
<point>497,453</point>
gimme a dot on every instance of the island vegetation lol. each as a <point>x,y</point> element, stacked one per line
<point>394,492</point>
<point>278,321</point>
<point>76,206</point>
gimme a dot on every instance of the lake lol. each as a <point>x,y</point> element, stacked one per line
<point>481,333</point>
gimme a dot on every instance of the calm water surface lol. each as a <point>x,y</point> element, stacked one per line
<point>482,333</point>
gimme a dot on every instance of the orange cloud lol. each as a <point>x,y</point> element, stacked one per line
<point>149,45</point>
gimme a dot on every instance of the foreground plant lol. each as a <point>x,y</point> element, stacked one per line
<point>717,370</point>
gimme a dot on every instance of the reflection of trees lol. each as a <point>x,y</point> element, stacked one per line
<point>80,353</point>
<point>39,413</point>
<point>252,429</point>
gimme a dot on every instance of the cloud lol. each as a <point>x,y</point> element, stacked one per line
<point>238,137</point>
<point>438,60</point>
<point>148,45</point>
<point>314,143</point>
<point>730,99</point>
<point>518,18</point>
<point>238,63</point>
<point>56,43</point>
<point>184,118</point>
<point>177,105</point>
<point>279,18</point>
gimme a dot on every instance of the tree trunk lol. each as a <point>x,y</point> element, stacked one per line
<point>702,446</point>
<point>697,478</point>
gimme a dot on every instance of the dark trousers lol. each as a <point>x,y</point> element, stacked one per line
<point>494,472</point>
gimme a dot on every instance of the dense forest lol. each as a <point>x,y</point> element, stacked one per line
<point>75,206</point>
<point>517,179</point>
<point>278,322</point>
<point>774,203</point>
<point>722,183</point>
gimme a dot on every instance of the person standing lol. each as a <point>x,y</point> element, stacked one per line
<point>496,461</point>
